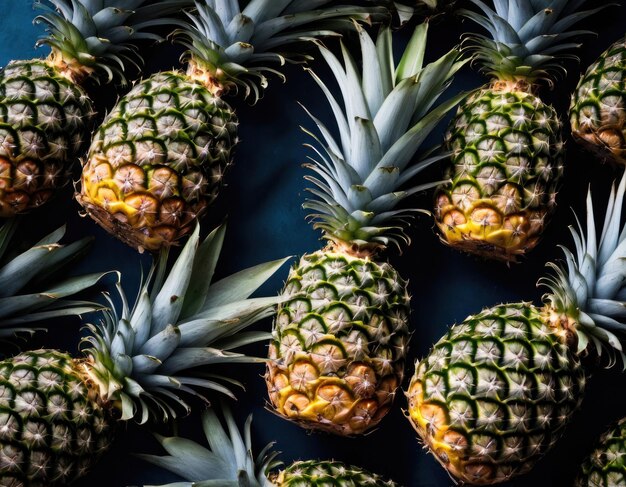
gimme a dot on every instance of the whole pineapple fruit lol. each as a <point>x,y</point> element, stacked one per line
<point>58,413</point>
<point>158,160</point>
<point>46,115</point>
<point>505,143</point>
<point>497,391</point>
<point>598,111</point>
<point>198,464</point>
<point>341,333</point>
<point>606,466</point>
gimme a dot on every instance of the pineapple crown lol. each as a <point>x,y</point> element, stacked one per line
<point>30,290</point>
<point>387,114</point>
<point>529,38</point>
<point>228,47</point>
<point>144,358</point>
<point>96,36</point>
<point>229,461</point>
<point>591,287</point>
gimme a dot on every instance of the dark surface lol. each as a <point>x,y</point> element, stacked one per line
<point>263,197</point>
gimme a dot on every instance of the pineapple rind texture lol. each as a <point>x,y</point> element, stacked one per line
<point>313,473</point>
<point>53,430</point>
<point>157,161</point>
<point>495,393</point>
<point>598,111</point>
<point>506,166</point>
<point>339,343</point>
<point>606,466</point>
<point>44,121</point>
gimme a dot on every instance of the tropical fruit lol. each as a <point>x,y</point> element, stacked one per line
<point>497,391</point>
<point>341,333</point>
<point>230,461</point>
<point>605,467</point>
<point>506,146</point>
<point>158,160</point>
<point>59,413</point>
<point>598,112</point>
<point>46,115</point>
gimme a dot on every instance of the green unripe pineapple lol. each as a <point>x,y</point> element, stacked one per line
<point>54,427</point>
<point>317,473</point>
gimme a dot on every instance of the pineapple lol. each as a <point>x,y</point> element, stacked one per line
<point>229,462</point>
<point>497,391</point>
<point>506,146</point>
<point>158,160</point>
<point>597,112</point>
<point>340,338</point>
<point>30,289</point>
<point>46,114</point>
<point>606,467</point>
<point>58,413</point>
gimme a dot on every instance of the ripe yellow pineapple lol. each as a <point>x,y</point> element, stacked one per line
<point>340,338</point>
<point>497,391</point>
<point>46,114</point>
<point>506,144</point>
<point>158,160</point>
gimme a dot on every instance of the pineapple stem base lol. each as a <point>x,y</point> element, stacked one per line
<point>487,250</point>
<point>140,239</point>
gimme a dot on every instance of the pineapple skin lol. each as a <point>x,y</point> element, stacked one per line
<point>45,121</point>
<point>506,165</point>
<point>157,161</point>
<point>339,343</point>
<point>495,393</point>
<point>313,473</point>
<point>606,466</point>
<point>53,429</point>
<point>598,111</point>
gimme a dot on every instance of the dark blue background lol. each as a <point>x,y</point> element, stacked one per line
<point>264,192</point>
